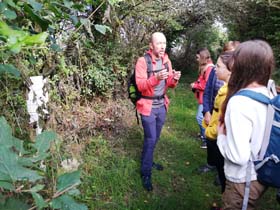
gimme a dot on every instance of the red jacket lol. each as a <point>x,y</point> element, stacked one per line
<point>200,83</point>
<point>146,85</point>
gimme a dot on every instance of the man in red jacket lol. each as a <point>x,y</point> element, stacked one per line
<point>154,102</point>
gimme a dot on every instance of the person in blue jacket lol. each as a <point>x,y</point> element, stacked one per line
<point>212,86</point>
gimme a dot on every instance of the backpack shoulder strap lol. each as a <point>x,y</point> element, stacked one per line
<point>255,96</point>
<point>148,60</point>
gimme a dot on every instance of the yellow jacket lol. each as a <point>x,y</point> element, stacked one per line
<point>211,131</point>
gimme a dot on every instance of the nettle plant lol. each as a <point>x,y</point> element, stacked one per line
<point>28,178</point>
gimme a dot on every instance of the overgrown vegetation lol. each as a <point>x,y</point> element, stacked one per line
<point>111,167</point>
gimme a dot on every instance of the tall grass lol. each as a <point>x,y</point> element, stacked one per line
<point>111,168</point>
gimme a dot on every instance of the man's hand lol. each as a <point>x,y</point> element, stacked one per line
<point>176,75</point>
<point>162,75</point>
<point>207,118</point>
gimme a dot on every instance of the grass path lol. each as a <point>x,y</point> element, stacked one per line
<point>111,168</point>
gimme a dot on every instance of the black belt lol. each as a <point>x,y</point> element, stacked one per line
<point>153,97</point>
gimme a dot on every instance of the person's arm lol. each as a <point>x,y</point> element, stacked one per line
<point>207,97</point>
<point>172,79</point>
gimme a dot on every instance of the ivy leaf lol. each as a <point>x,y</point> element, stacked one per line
<point>8,68</point>
<point>9,14</point>
<point>65,202</point>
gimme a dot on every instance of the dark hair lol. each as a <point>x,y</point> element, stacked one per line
<point>253,61</point>
<point>204,55</point>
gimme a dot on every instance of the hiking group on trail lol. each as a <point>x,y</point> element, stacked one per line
<point>238,116</point>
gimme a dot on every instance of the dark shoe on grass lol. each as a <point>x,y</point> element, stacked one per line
<point>206,168</point>
<point>157,166</point>
<point>147,183</point>
<point>203,145</point>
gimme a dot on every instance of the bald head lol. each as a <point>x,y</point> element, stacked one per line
<point>157,35</point>
<point>158,44</point>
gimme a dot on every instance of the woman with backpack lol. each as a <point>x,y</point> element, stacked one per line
<point>242,122</point>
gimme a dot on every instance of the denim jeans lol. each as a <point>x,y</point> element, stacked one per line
<point>199,118</point>
<point>152,126</point>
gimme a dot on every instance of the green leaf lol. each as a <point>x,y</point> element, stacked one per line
<point>36,6</point>
<point>3,6</point>
<point>43,141</point>
<point>40,203</point>
<point>10,167</point>
<point>68,179</point>
<point>56,48</point>
<point>7,186</point>
<point>35,39</point>
<point>43,23</point>
<point>11,3</point>
<point>15,48</point>
<point>9,14</point>
<point>38,157</point>
<point>37,188</point>
<point>6,138</point>
<point>66,202</point>
<point>84,20</point>
<point>102,28</point>
<point>14,204</point>
<point>8,68</point>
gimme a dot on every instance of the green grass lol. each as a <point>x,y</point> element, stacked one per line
<point>111,168</point>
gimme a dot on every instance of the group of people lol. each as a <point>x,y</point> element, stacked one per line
<point>231,126</point>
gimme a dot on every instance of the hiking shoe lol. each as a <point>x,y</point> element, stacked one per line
<point>157,166</point>
<point>206,168</point>
<point>203,145</point>
<point>147,183</point>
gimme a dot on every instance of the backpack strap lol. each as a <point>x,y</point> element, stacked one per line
<point>148,60</point>
<point>255,96</point>
<point>247,186</point>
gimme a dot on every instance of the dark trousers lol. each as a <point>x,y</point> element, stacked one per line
<point>152,126</point>
<point>214,157</point>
